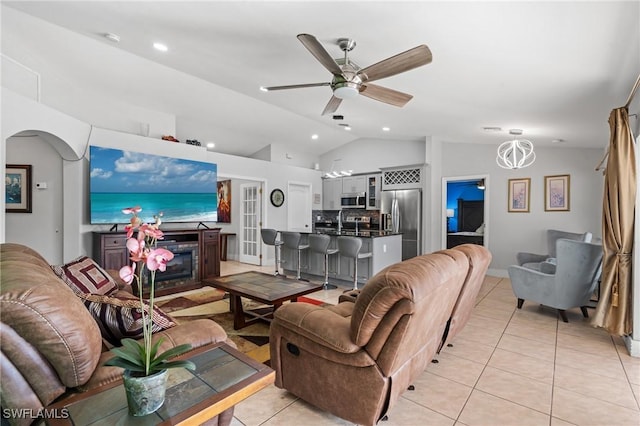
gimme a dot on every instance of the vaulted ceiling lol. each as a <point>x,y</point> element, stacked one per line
<point>553,69</point>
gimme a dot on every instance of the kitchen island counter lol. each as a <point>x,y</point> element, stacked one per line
<point>366,233</point>
<point>385,246</point>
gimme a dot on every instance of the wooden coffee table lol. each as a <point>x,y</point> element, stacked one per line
<point>223,377</point>
<point>269,289</point>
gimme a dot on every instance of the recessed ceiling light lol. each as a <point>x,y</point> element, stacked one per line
<point>386,129</point>
<point>314,137</point>
<point>347,128</point>
<point>492,129</point>
<point>112,37</point>
<point>211,145</point>
<point>160,46</point>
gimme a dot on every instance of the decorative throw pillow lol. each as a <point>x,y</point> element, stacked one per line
<point>119,318</point>
<point>85,276</point>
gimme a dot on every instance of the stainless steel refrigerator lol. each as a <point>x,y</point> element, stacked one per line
<point>401,211</point>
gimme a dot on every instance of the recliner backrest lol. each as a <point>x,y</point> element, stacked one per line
<point>479,260</point>
<point>402,311</point>
<point>49,339</point>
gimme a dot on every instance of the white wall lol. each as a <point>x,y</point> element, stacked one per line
<point>42,228</point>
<point>508,232</point>
<point>21,114</point>
<point>514,232</point>
<point>369,155</point>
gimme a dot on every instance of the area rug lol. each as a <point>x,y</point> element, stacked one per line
<point>212,303</point>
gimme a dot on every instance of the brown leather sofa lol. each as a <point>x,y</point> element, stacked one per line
<point>51,345</point>
<point>355,359</point>
<point>479,260</point>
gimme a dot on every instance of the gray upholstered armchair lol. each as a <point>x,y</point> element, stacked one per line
<point>571,285</point>
<point>546,262</point>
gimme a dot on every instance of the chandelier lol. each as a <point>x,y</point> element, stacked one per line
<point>516,153</point>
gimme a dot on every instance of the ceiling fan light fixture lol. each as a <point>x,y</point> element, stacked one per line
<point>346,90</point>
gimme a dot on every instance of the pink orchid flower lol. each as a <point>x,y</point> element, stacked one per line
<point>157,259</point>
<point>135,221</point>
<point>151,231</point>
<point>136,249</point>
<point>132,210</point>
<point>130,229</point>
<point>127,273</point>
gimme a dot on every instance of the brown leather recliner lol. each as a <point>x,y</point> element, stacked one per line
<point>479,260</point>
<point>51,345</point>
<point>356,358</point>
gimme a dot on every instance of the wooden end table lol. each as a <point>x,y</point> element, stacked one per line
<point>223,377</point>
<point>269,289</point>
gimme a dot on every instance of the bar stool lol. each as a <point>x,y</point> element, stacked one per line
<point>319,243</point>
<point>350,247</point>
<point>270,238</point>
<point>291,241</point>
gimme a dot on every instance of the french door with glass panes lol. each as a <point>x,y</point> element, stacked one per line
<point>250,240</point>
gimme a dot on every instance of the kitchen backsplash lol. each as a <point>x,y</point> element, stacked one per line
<point>331,216</point>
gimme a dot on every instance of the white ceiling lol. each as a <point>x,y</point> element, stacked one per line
<point>553,69</point>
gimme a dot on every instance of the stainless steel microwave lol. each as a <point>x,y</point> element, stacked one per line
<point>356,200</point>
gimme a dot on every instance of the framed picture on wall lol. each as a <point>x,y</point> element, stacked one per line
<point>519,195</point>
<point>556,193</point>
<point>224,201</point>
<point>17,188</point>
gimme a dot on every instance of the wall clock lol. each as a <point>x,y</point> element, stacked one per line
<point>277,197</point>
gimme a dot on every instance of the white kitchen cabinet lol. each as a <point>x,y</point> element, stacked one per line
<point>331,192</point>
<point>373,191</point>
<point>353,184</point>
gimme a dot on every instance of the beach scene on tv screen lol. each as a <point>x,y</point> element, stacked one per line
<point>182,190</point>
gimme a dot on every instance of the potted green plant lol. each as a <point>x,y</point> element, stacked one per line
<point>145,372</point>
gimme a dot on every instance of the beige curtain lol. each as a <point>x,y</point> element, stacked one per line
<point>614,310</point>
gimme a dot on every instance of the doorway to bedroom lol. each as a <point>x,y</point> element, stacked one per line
<point>465,210</point>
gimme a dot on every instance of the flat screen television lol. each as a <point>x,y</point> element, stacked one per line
<point>182,190</point>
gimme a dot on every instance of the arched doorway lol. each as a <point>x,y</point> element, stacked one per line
<point>42,228</point>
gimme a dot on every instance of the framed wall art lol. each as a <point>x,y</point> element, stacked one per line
<point>224,201</point>
<point>519,195</point>
<point>17,188</point>
<point>556,193</point>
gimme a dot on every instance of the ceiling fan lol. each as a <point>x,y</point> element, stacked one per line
<point>349,79</point>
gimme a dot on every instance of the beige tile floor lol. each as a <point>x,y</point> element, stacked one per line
<point>507,367</point>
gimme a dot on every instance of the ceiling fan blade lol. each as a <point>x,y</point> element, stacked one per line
<point>295,86</point>
<point>332,106</point>
<point>313,45</point>
<point>405,61</point>
<point>384,94</point>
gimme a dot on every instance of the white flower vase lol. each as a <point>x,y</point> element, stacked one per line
<point>145,394</point>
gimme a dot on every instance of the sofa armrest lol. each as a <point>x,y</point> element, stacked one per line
<point>320,325</point>
<point>523,258</point>
<point>529,284</point>
<point>197,333</point>
<point>349,296</point>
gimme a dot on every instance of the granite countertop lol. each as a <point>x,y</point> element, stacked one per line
<point>367,233</point>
